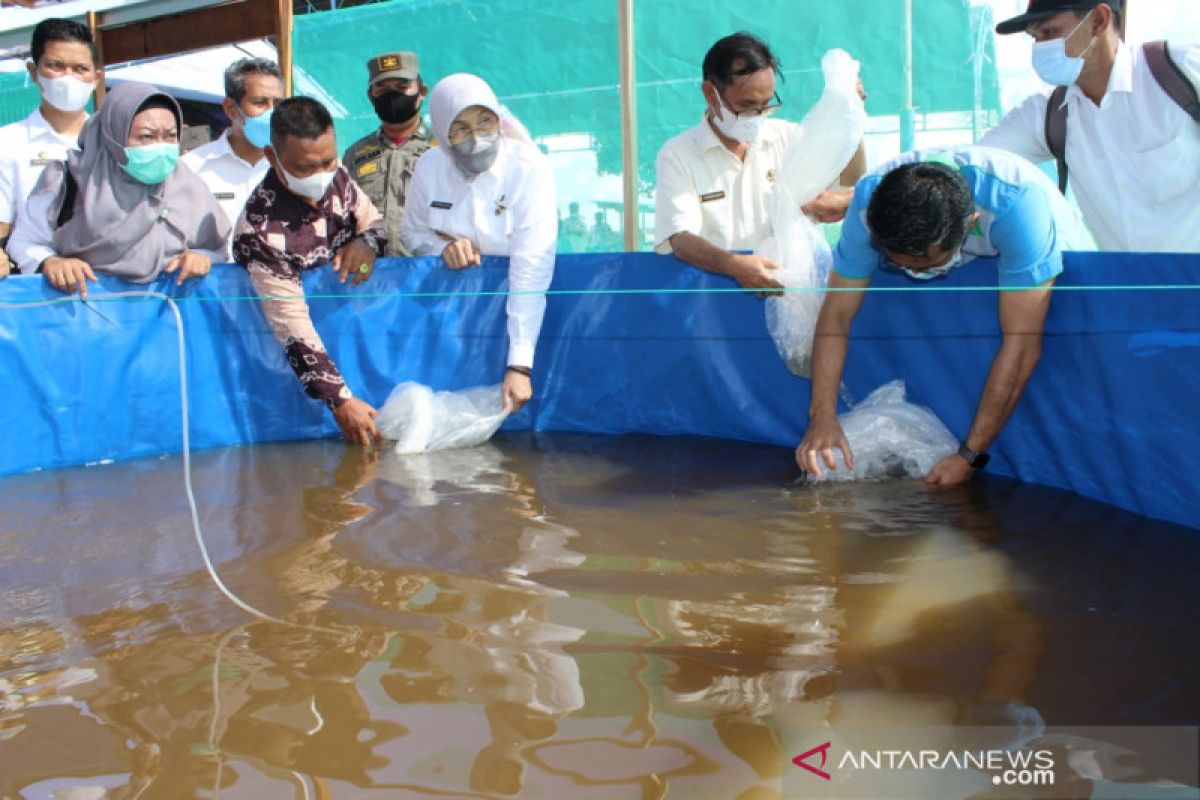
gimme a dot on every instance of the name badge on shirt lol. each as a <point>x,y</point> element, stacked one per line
<point>41,162</point>
<point>708,198</point>
<point>224,195</point>
<point>369,168</point>
<point>441,204</point>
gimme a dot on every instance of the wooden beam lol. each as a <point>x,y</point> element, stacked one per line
<point>191,30</point>
<point>629,126</point>
<point>283,43</point>
<point>94,27</point>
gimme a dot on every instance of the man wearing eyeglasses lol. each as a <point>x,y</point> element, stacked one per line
<point>924,214</point>
<point>714,180</point>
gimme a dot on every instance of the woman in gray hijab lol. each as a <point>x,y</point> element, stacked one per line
<point>122,204</point>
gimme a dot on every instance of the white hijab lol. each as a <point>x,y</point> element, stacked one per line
<point>454,94</point>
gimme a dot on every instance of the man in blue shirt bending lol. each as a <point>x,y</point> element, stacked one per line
<point>924,214</point>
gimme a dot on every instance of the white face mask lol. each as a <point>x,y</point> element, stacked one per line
<point>1053,65</point>
<point>729,123</point>
<point>313,187</point>
<point>935,272</point>
<point>66,93</point>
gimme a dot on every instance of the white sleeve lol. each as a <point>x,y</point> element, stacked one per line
<point>531,260</point>
<point>31,239</point>
<point>193,162</point>
<point>676,202</point>
<point>8,188</point>
<point>415,227</point>
<point>1022,131</point>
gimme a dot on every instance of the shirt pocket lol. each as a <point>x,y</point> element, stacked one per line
<point>716,216</point>
<point>1169,170</point>
<point>441,219</point>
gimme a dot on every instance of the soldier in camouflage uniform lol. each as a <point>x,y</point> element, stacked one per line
<point>382,162</point>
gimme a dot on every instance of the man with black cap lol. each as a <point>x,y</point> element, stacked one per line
<point>1123,122</point>
<point>382,162</point>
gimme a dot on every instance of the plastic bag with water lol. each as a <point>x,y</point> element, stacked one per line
<point>892,438</point>
<point>828,138</point>
<point>421,420</point>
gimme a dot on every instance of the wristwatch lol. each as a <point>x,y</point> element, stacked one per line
<point>975,458</point>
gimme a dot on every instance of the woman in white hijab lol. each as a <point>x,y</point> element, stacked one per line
<point>487,191</point>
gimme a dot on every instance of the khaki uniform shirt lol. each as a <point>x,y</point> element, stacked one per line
<point>383,170</point>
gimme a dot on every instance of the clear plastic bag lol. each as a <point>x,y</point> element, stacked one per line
<point>825,143</point>
<point>421,420</point>
<point>892,438</point>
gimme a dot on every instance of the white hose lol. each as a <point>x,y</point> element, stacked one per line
<point>187,445</point>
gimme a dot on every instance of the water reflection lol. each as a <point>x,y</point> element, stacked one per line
<point>559,617</point>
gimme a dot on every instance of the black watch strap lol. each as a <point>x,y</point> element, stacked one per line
<point>975,458</point>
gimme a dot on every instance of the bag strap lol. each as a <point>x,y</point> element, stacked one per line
<point>70,190</point>
<point>1056,133</point>
<point>1171,78</point>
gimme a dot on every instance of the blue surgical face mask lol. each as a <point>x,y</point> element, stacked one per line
<point>1053,65</point>
<point>151,163</point>
<point>257,130</point>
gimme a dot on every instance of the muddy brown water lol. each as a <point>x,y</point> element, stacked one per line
<point>554,616</point>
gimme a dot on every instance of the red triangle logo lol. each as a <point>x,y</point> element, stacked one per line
<point>802,761</point>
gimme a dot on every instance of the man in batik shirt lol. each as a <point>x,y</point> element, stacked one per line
<point>306,212</point>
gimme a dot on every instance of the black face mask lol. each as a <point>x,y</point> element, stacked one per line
<point>396,107</point>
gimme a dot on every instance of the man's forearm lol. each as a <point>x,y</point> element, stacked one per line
<point>830,347</point>
<point>287,313</point>
<point>1005,384</point>
<point>699,252</point>
<point>856,168</point>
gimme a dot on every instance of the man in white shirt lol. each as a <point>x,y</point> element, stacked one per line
<point>63,65</point>
<point>1133,153</point>
<point>714,180</point>
<point>233,165</point>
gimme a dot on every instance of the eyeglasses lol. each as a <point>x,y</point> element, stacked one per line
<point>924,273</point>
<point>459,132</point>
<point>762,111</point>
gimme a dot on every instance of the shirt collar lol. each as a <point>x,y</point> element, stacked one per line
<point>1120,78</point>
<point>222,145</point>
<point>419,135</point>
<point>223,149</point>
<point>706,138</point>
<point>39,127</point>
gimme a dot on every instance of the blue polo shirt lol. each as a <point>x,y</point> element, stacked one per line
<point>1023,219</point>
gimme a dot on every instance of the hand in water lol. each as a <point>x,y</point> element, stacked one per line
<point>823,436</point>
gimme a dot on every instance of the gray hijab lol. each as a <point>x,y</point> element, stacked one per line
<point>119,225</point>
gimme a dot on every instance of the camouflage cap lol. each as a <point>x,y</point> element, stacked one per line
<point>393,65</point>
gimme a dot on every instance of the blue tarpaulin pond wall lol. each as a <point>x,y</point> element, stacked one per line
<point>631,343</point>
